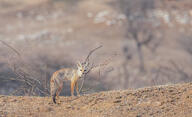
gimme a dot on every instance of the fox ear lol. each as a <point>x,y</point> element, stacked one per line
<point>78,64</point>
<point>86,64</point>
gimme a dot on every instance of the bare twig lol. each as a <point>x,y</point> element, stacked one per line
<point>9,46</point>
<point>106,62</point>
<point>87,65</point>
<point>87,58</point>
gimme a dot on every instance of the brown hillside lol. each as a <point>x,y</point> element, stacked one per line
<point>161,101</point>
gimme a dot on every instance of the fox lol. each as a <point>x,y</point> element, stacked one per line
<point>66,74</point>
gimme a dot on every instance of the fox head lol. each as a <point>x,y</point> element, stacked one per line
<point>81,69</point>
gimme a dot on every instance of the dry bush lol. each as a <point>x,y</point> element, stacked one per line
<point>32,73</point>
<point>169,74</point>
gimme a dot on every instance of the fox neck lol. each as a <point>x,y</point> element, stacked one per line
<point>79,73</point>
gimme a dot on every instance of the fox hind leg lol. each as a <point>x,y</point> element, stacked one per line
<point>54,93</point>
<point>55,87</point>
<point>54,97</point>
<point>53,90</point>
<point>58,92</point>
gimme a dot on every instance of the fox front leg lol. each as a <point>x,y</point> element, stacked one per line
<point>77,88</point>
<point>72,88</point>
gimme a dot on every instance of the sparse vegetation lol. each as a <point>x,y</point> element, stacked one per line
<point>145,43</point>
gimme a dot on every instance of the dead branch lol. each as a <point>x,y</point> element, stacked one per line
<point>105,63</point>
<point>9,46</point>
<point>87,58</point>
<point>30,84</point>
<point>87,63</point>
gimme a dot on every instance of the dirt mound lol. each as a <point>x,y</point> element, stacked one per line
<point>161,101</point>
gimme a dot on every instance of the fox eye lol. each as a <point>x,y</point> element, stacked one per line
<point>85,70</point>
<point>81,70</point>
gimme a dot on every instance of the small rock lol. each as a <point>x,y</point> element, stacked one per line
<point>117,101</point>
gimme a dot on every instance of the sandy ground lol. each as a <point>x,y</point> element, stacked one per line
<point>57,34</point>
<point>161,101</point>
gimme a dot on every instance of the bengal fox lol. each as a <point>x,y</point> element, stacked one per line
<point>58,77</point>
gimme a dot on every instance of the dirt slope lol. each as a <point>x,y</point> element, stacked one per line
<point>161,101</point>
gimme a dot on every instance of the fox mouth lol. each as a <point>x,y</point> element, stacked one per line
<point>80,77</point>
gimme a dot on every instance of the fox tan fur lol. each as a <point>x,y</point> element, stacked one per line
<point>58,77</point>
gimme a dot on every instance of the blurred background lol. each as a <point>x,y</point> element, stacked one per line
<point>145,43</point>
